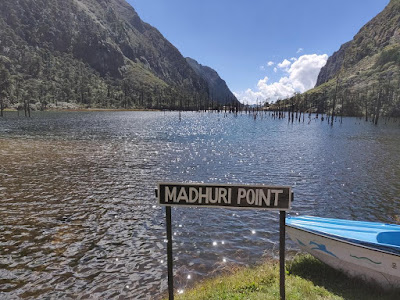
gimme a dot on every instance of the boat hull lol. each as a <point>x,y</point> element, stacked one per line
<point>357,261</point>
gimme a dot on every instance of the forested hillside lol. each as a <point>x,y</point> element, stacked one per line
<point>363,77</point>
<point>217,87</point>
<point>93,53</point>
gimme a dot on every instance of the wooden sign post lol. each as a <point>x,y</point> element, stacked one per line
<point>277,198</point>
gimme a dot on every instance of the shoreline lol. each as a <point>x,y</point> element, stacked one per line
<point>82,109</point>
<point>306,278</point>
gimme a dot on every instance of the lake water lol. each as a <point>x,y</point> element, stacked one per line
<point>79,218</point>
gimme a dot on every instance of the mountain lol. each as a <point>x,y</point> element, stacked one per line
<point>96,53</point>
<point>333,65</point>
<point>217,88</point>
<point>374,51</point>
<point>362,78</point>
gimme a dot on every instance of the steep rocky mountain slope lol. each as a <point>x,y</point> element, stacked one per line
<point>374,51</point>
<point>218,90</point>
<point>363,77</point>
<point>92,52</point>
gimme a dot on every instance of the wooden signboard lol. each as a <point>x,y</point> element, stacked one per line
<point>225,196</point>
<point>228,196</point>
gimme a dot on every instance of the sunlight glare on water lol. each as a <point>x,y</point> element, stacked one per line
<point>79,218</point>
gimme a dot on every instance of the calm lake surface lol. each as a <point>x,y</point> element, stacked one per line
<point>79,218</point>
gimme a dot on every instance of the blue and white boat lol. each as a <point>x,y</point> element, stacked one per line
<point>367,250</point>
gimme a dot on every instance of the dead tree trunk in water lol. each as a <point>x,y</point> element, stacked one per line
<point>25,108</point>
<point>1,106</point>
<point>366,106</point>
<point>378,107</point>
<point>341,109</point>
<point>334,101</point>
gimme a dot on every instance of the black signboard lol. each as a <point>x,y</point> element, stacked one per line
<point>228,196</point>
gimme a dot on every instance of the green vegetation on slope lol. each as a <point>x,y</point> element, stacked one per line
<point>307,278</point>
<point>363,77</point>
<point>217,88</point>
<point>91,53</point>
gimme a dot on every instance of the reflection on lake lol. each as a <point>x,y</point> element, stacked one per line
<point>78,215</point>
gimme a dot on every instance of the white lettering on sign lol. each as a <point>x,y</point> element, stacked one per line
<point>170,195</point>
<point>267,200</point>
<point>241,195</point>
<point>182,196</point>
<point>193,195</point>
<point>209,195</point>
<point>276,192</point>
<point>257,196</point>
<point>226,196</point>
<point>202,196</point>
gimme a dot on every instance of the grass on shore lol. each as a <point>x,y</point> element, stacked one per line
<point>306,279</point>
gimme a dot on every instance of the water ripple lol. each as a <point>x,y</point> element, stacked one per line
<point>78,216</point>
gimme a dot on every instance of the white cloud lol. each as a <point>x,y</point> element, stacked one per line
<point>293,59</point>
<point>299,50</point>
<point>264,67</point>
<point>284,64</point>
<point>275,70</point>
<point>301,75</point>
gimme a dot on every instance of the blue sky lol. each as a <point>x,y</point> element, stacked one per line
<point>238,38</point>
